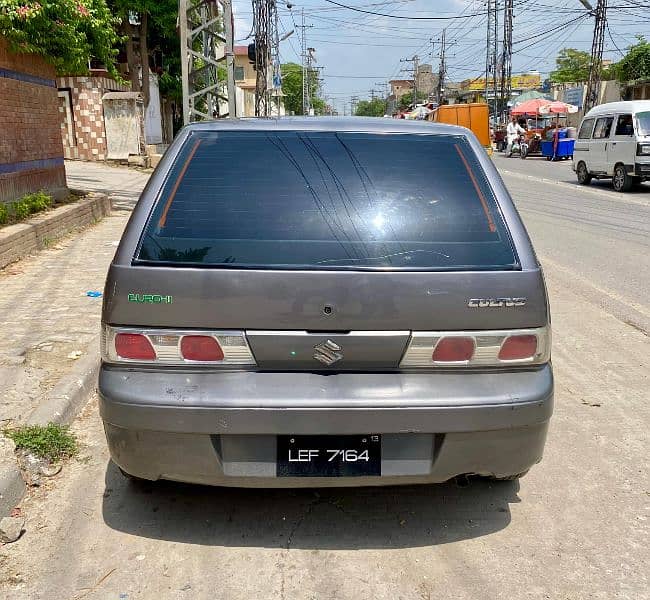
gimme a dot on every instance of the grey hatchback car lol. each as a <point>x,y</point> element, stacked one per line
<point>325,302</point>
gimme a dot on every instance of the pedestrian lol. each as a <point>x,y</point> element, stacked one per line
<point>512,133</point>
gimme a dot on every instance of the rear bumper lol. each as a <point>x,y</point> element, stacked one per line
<point>220,428</point>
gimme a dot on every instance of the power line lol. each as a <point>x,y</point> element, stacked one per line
<point>370,12</point>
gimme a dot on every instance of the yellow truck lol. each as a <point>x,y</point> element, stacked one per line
<point>474,116</point>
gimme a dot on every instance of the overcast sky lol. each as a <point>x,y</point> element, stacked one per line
<point>359,52</point>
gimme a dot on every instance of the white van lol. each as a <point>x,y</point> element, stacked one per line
<point>614,141</point>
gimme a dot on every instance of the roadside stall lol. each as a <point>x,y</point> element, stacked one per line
<point>532,109</point>
<point>560,146</point>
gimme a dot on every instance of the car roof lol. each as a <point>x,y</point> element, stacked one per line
<point>632,106</point>
<point>342,124</point>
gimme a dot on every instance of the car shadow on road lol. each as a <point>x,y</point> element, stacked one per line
<point>331,518</point>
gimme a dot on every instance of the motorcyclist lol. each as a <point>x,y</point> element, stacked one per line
<point>513,130</point>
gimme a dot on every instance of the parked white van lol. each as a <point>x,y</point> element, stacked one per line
<point>614,141</point>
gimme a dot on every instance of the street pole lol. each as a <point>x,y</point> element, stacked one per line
<point>442,70</point>
<point>595,67</point>
<point>230,57</point>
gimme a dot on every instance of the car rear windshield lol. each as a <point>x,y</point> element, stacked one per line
<point>290,199</point>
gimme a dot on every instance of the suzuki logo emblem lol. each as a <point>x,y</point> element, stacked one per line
<point>328,352</point>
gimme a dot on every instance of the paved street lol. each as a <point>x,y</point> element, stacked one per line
<point>45,314</point>
<point>575,528</point>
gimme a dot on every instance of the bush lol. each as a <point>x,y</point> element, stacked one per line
<point>53,442</point>
<point>20,209</point>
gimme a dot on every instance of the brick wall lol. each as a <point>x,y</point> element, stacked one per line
<point>80,98</point>
<point>31,153</point>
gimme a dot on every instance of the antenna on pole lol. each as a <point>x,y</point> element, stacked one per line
<point>203,49</point>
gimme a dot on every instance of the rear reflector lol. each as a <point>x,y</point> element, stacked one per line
<point>201,348</point>
<point>518,347</point>
<point>134,346</point>
<point>453,349</point>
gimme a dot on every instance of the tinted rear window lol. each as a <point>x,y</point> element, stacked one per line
<point>327,200</point>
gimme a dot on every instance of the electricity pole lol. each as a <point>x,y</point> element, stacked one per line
<point>442,70</point>
<point>203,48</point>
<point>416,67</point>
<point>265,19</point>
<point>491,54</point>
<point>306,58</point>
<point>506,57</point>
<point>595,67</point>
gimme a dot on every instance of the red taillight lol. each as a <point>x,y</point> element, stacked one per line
<point>518,347</point>
<point>134,346</point>
<point>201,348</point>
<point>453,349</point>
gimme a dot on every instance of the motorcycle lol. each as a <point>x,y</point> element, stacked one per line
<point>519,146</point>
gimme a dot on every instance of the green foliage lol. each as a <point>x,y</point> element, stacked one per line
<point>292,89</point>
<point>67,33</point>
<point>636,63</point>
<point>407,100</point>
<point>53,442</point>
<point>19,210</point>
<point>572,66</point>
<point>162,39</point>
<point>371,108</point>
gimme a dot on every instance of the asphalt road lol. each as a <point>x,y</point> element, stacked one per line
<point>575,528</point>
<point>592,238</point>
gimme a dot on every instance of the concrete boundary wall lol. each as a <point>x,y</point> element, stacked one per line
<point>22,239</point>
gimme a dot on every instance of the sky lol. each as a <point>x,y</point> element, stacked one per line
<point>359,52</point>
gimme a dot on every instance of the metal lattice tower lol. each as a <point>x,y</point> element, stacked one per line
<point>206,33</point>
<point>595,68</point>
<point>506,56</point>
<point>266,44</point>
<point>491,54</point>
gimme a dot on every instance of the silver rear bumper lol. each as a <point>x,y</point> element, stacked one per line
<point>220,428</point>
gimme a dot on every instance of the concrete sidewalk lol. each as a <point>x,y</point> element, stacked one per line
<point>45,314</point>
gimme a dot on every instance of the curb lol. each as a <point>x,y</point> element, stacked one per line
<point>39,231</point>
<point>12,485</point>
<point>60,406</point>
<point>71,392</point>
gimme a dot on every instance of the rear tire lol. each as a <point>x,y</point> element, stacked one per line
<point>621,181</point>
<point>584,177</point>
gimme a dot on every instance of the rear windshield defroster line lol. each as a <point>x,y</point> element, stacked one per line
<point>327,200</point>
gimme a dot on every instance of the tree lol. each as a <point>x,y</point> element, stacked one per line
<point>67,33</point>
<point>572,66</point>
<point>371,108</point>
<point>636,63</point>
<point>292,89</point>
<point>407,100</point>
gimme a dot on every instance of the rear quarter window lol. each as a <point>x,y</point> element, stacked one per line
<point>327,200</point>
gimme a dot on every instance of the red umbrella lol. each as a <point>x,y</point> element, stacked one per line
<point>530,107</point>
<point>558,108</point>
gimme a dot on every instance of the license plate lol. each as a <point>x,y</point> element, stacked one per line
<point>329,456</point>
